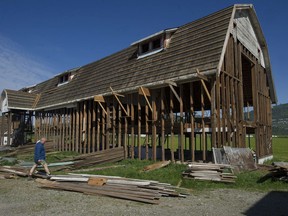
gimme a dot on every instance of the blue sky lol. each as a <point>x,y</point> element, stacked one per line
<point>39,39</point>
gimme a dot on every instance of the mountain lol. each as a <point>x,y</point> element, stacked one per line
<point>280,119</point>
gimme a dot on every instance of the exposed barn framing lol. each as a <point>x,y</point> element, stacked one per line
<point>172,100</point>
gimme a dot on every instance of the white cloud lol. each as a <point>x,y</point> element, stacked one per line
<point>18,68</point>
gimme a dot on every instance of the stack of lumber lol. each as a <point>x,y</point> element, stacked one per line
<point>10,172</point>
<point>210,172</point>
<point>145,191</point>
<point>95,158</point>
<point>279,172</point>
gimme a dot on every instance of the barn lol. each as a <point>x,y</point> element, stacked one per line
<point>173,95</point>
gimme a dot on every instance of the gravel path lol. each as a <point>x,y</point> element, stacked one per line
<point>22,197</point>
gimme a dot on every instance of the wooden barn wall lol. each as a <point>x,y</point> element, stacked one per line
<point>234,95</point>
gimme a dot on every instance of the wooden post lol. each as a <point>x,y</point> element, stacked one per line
<point>163,124</point>
<point>139,127</point>
<point>89,129</point>
<point>192,139</point>
<point>218,111</point>
<point>73,126</point>
<point>113,123</point>
<point>146,131</point>
<point>98,128</point>
<point>81,129</point>
<point>108,126</point>
<point>181,144</point>
<point>154,128</point>
<point>132,114</point>
<point>172,125</point>
<point>203,141</point>
<point>119,143</point>
<point>125,134</point>
<point>93,125</point>
<point>84,129</point>
<point>103,144</point>
<point>224,114</point>
<point>77,135</point>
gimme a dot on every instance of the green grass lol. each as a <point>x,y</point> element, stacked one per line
<point>172,173</point>
<point>280,149</point>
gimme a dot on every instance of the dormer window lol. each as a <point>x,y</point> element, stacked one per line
<point>150,46</point>
<point>67,76</point>
<point>64,78</point>
<point>154,43</point>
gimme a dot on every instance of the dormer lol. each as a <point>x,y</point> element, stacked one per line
<point>66,77</point>
<point>154,43</point>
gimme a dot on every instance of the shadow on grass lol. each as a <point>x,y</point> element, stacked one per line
<point>274,203</point>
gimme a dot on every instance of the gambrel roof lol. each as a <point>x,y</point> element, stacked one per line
<point>200,44</point>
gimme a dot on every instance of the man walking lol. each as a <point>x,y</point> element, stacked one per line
<point>39,157</point>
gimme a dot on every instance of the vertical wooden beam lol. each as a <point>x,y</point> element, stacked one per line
<point>89,129</point>
<point>77,135</point>
<point>81,128</point>
<point>93,125</point>
<point>163,124</point>
<point>119,137</point>
<point>73,127</point>
<point>132,114</point>
<point>103,126</point>
<point>224,111</point>
<point>113,123</point>
<point>139,127</point>
<point>203,124</point>
<point>218,107</point>
<point>125,137</point>
<point>146,131</point>
<point>108,126</point>
<point>192,138</point>
<point>228,97</point>
<point>181,144</point>
<point>84,129</point>
<point>233,109</point>
<point>213,112</point>
<point>98,127</point>
<point>154,128</point>
<point>172,125</point>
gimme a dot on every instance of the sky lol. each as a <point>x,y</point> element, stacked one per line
<point>40,39</point>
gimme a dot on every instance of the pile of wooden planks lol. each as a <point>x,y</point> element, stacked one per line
<point>210,172</point>
<point>101,157</point>
<point>279,171</point>
<point>12,172</point>
<point>145,191</point>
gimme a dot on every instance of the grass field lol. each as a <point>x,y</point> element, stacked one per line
<point>172,173</point>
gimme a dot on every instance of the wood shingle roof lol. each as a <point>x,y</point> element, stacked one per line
<point>195,45</point>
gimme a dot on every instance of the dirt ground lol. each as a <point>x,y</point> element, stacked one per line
<point>22,197</point>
